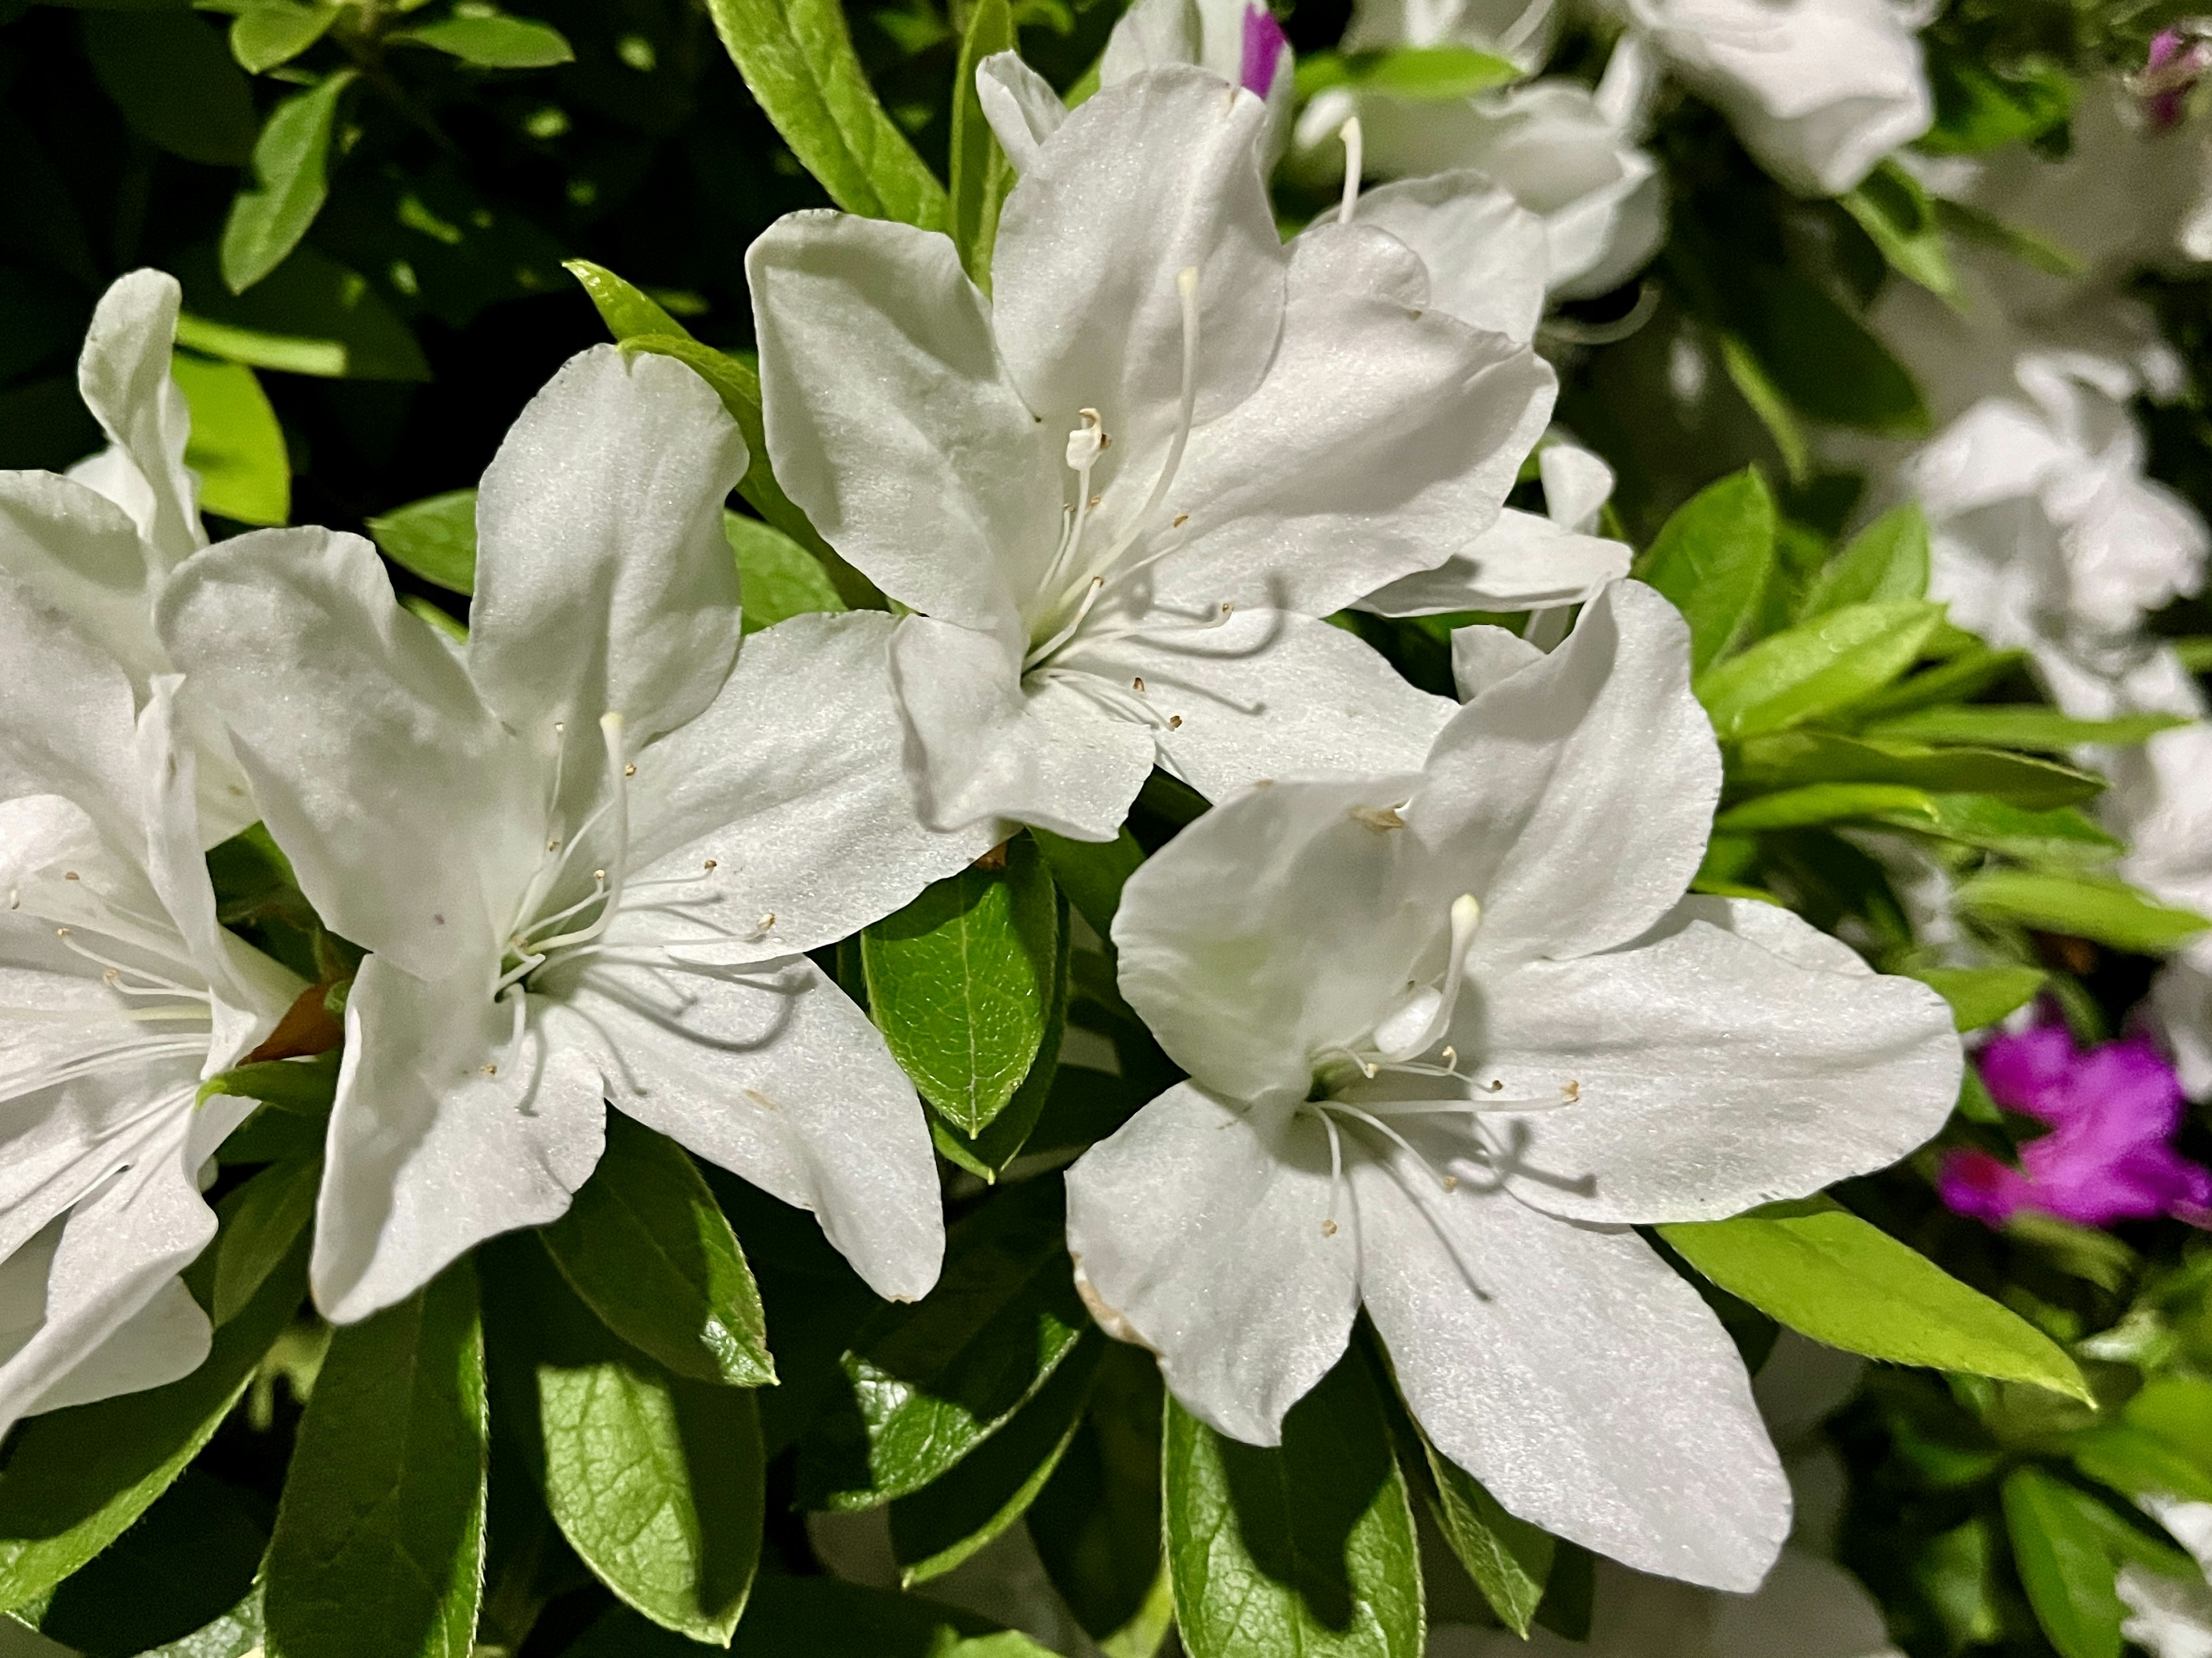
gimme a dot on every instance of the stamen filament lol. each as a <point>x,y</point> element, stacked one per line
<point>1354,162</point>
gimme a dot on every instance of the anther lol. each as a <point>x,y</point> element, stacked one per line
<point>1328,1229</point>
<point>1138,683</point>
<point>1179,520</point>
<point>1086,442</point>
<point>710,863</point>
<point>1174,722</point>
<point>630,771</point>
<point>1572,1092</point>
<point>69,875</point>
<point>492,1070</point>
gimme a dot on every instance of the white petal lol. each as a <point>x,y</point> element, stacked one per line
<point>1147,179</point>
<point>890,420</point>
<point>1486,253</point>
<point>124,376</point>
<point>1575,798</point>
<point>2168,1617</point>
<point>1275,927</point>
<point>1522,562</point>
<point>1483,655</point>
<point>1711,1074</point>
<point>405,806</point>
<point>604,581</point>
<point>80,552</point>
<point>1198,1226</point>
<point>164,1341</point>
<point>1576,485</point>
<point>1807,1607</point>
<point>1150,34</point>
<point>793,785</point>
<point>1382,440</point>
<point>1272,694</point>
<point>1020,105</point>
<point>68,726</point>
<point>429,1153</point>
<point>981,745</point>
<point>771,1071</point>
<point>1570,1370</point>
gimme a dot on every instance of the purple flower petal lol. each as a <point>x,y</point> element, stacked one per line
<point>1266,47</point>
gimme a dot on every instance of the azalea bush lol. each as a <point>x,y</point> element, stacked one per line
<point>1049,828</point>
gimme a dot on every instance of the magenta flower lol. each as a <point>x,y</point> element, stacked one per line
<point>2177,58</point>
<point>1265,50</point>
<point>2113,1112</point>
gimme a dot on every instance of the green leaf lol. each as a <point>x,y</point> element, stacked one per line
<point>2062,835</point>
<point>1091,873</point>
<point>309,316</point>
<point>2177,1409</point>
<point>1788,759</point>
<point>981,173</point>
<point>1981,996</point>
<point>2030,247</point>
<point>275,32</point>
<point>798,59</point>
<point>1887,560</point>
<point>188,1562</point>
<point>822,1616</point>
<point>1893,208</point>
<point>1445,73</point>
<point>494,42</point>
<point>2021,727</point>
<point>1096,1522</point>
<point>1825,803</point>
<point>267,1215</point>
<point>1828,1274</point>
<point>236,446</point>
<point>434,537</point>
<point>173,79</point>
<point>944,1524</point>
<point>1980,106</point>
<point>236,1634</point>
<point>1509,1559</point>
<point>1756,388</point>
<point>1309,1548</point>
<point>1823,359</point>
<point>2105,912</point>
<point>306,1088</point>
<point>776,576</point>
<point>2063,1564</point>
<point>2140,1463</point>
<point>1713,559</point>
<point>384,1505</point>
<point>1964,675</point>
<point>78,1479</point>
<point>655,1481</point>
<point>291,165</point>
<point>985,1155</point>
<point>930,1382</point>
<point>960,983</point>
<point>1815,668</point>
<point>645,1245</point>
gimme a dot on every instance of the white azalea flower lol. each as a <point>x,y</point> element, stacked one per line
<point>1450,1035</point>
<point>586,852</point>
<point>2171,1617</point>
<point>1522,30</point>
<point>100,542</point>
<point>1239,41</point>
<point>119,995</point>
<point>1820,91</point>
<point>1120,493</point>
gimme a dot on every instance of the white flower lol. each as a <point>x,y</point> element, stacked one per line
<point>119,995</point>
<point>1120,492</point>
<point>1820,91</point>
<point>584,851</point>
<point>1567,153</point>
<point>2171,1617</point>
<point>99,544</point>
<point>1520,30</point>
<point>1450,1035</point>
<point>1239,41</point>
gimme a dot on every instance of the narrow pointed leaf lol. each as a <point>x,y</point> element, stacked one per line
<point>981,173</point>
<point>2105,912</point>
<point>1713,560</point>
<point>1815,668</point>
<point>269,1213</point>
<point>291,164</point>
<point>2063,1564</point>
<point>1887,560</point>
<point>434,537</point>
<point>237,446</point>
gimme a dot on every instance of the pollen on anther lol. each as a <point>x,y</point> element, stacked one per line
<point>599,875</point>
<point>552,846</point>
<point>1174,722</point>
<point>69,875</point>
<point>1328,1229</point>
<point>1451,1057</point>
<point>1138,683</point>
<point>710,863</point>
<point>491,1070</point>
<point>61,932</point>
<point>1451,1182</point>
<point>630,771</point>
<point>1181,518</point>
<point>1572,1092</point>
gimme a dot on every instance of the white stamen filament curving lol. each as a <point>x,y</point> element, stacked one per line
<point>1354,161</point>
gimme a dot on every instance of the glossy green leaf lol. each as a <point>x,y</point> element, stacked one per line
<point>1824,360</point>
<point>236,447</point>
<point>1091,873</point>
<point>1097,1523</point>
<point>655,1481</point>
<point>1997,727</point>
<point>980,174</point>
<point>985,1155</point>
<point>960,982</point>
<point>1825,803</point>
<point>384,1504</point>
<point>173,78</point>
<point>1789,759</point>
<point>1981,996</point>
<point>944,1524</point>
<point>238,1633</point>
<point>1982,106</point>
<point>496,42</point>
<point>309,316</point>
<point>2063,1564</point>
<point>2105,912</point>
<point>797,58</point>
<point>2177,1409</point>
<point>78,1479</point>
<point>646,1248</point>
<point>1816,668</point>
<point>1826,1273</point>
<point>1896,212</point>
<point>2140,1464</point>
<point>177,1577</point>
<point>434,537</point>
<point>822,1616</point>
<point>1959,675</point>
<point>1509,1559</point>
<point>1415,73</point>
<point>306,1088</point>
<point>777,578</point>
<point>274,32</point>
<point>266,1218</point>
<point>2063,835</point>
<point>926,1384</point>
<point>1886,560</point>
<point>291,165</point>
<point>1308,1548</point>
<point>1713,560</point>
